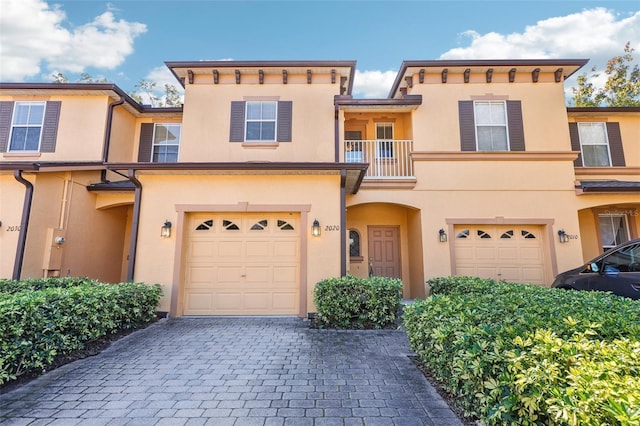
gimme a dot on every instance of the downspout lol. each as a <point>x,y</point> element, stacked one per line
<point>336,133</point>
<point>133,244</point>
<point>107,136</point>
<point>343,223</point>
<point>24,224</point>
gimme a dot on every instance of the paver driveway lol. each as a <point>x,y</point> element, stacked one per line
<point>236,371</point>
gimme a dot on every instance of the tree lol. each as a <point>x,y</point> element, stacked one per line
<point>622,87</point>
<point>84,78</point>
<point>170,98</point>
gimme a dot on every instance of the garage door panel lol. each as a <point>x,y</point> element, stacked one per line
<point>242,265</point>
<point>513,253</point>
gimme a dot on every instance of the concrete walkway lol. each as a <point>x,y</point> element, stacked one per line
<point>236,371</point>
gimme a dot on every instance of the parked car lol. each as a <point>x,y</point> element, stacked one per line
<point>616,270</point>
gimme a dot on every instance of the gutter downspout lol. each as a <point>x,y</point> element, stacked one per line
<point>133,244</point>
<point>343,223</point>
<point>107,136</point>
<point>24,224</point>
<point>336,133</point>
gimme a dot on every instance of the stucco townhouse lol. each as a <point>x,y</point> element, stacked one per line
<point>272,176</point>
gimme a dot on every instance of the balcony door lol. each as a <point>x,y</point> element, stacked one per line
<point>353,146</point>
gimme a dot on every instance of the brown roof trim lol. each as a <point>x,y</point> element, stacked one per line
<point>89,87</point>
<point>609,186</point>
<point>52,166</point>
<point>603,109</point>
<point>257,165</point>
<point>265,64</point>
<point>488,63</point>
<point>408,100</point>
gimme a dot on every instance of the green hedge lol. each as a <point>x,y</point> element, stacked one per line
<point>15,286</point>
<point>528,355</point>
<point>37,325</point>
<point>351,302</point>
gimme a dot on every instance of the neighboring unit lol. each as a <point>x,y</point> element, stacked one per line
<point>272,177</point>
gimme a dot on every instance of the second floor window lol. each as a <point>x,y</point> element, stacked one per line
<point>594,144</point>
<point>166,143</point>
<point>261,121</point>
<point>384,135</point>
<point>26,126</point>
<point>491,126</point>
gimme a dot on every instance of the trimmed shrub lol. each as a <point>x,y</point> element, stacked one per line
<point>38,325</point>
<point>15,286</point>
<point>528,355</point>
<point>351,302</point>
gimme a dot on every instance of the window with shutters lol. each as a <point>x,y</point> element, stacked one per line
<point>260,121</point>
<point>599,144</point>
<point>594,145</point>
<point>166,143</point>
<point>28,126</point>
<point>491,125</point>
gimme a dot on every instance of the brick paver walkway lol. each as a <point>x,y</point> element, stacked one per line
<point>236,371</point>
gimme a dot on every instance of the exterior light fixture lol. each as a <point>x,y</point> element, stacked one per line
<point>315,229</point>
<point>165,231</point>
<point>442,236</point>
<point>562,236</point>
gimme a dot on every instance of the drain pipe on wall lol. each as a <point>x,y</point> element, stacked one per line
<point>133,245</point>
<point>107,136</point>
<point>24,224</point>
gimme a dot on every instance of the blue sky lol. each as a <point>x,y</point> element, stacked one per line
<point>127,41</point>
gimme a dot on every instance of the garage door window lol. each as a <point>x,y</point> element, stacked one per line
<point>463,234</point>
<point>483,234</point>
<point>507,235</point>
<point>205,226</point>
<point>284,225</point>
<point>229,225</point>
<point>260,225</point>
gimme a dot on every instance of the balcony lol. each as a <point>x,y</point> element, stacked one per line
<point>388,159</point>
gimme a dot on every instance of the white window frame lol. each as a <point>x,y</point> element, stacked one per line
<point>14,125</point>
<point>154,144</point>
<point>274,120</point>
<point>627,235</point>
<point>380,151</point>
<point>492,124</point>
<point>602,125</point>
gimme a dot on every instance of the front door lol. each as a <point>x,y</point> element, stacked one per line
<point>384,251</point>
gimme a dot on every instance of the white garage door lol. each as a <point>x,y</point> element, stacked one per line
<point>242,264</point>
<point>504,252</point>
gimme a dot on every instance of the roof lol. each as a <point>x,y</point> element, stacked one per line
<point>567,66</point>
<point>609,186</point>
<point>99,89</point>
<point>182,70</point>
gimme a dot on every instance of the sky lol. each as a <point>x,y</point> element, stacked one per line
<point>128,41</point>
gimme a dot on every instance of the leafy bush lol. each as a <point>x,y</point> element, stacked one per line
<point>38,325</point>
<point>351,302</point>
<point>522,354</point>
<point>15,286</point>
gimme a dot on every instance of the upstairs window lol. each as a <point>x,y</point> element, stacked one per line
<point>599,144</point>
<point>260,121</point>
<point>384,135</point>
<point>29,126</point>
<point>491,125</point>
<point>166,143</point>
<point>159,142</point>
<point>26,127</point>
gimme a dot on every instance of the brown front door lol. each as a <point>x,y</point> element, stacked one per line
<point>384,251</point>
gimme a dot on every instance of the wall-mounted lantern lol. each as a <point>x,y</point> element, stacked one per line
<point>562,236</point>
<point>165,231</point>
<point>442,236</point>
<point>315,229</point>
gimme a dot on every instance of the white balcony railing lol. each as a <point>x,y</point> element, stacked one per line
<point>387,158</point>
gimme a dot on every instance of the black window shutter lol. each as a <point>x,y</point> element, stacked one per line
<point>516,127</point>
<point>50,126</point>
<point>284,121</point>
<point>575,143</point>
<point>146,143</point>
<point>615,144</point>
<point>467,126</point>
<point>6,111</point>
<point>236,129</point>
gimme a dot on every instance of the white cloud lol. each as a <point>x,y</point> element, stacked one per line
<point>33,36</point>
<point>597,34</point>
<point>373,84</point>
